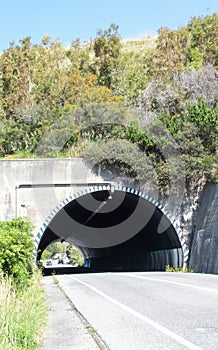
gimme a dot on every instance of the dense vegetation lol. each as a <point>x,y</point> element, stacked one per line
<point>167,83</point>
<point>16,251</point>
<point>22,302</point>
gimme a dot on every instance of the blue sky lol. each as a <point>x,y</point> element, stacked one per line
<point>71,19</point>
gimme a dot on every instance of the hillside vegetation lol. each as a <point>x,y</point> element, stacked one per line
<point>123,91</point>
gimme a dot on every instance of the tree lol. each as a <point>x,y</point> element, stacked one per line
<point>82,89</point>
<point>188,47</point>
<point>16,72</point>
<point>52,249</point>
<point>75,254</point>
<point>169,55</point>
<point>32,79</point>
<point>204,38</point>
<point>79,55</point>
<point>130,77</point>
<point>107,46</point>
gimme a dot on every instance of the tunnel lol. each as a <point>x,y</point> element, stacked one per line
<point>119,230</point>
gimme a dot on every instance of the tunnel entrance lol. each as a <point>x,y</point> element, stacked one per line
<point>120,230</point>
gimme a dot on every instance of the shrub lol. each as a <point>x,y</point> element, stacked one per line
<point>16,247</point>
<point>178,269</point>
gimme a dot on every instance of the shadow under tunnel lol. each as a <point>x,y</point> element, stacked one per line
<point>117,231</point>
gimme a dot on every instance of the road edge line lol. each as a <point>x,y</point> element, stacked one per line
<point>95,335</point>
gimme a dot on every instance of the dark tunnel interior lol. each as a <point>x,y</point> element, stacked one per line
<point>117,231</point>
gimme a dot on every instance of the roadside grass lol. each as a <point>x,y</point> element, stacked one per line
<point>178,269</point>
<point>22,315</point>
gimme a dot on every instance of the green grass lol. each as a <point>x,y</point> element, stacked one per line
<point>178,269</point>
<point>22,316</point>
<point>20,155</point>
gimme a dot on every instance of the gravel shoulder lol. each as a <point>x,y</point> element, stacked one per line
<point>65,330</point>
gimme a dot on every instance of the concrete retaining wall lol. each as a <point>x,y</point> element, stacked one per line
<point>34,187</point>
<point>204,252</point>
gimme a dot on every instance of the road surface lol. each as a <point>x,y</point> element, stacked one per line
<point>140,311</point>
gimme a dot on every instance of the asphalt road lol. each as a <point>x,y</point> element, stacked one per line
<point>134,311</point>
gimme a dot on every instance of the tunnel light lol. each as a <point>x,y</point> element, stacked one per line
<point>112,189</point>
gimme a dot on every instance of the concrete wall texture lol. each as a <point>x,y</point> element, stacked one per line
<point>204,252</point>
<point>35,187</point>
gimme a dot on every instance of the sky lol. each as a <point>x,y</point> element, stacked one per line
<point>68,20</point>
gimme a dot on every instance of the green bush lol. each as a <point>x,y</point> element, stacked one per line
<point>16,247</point>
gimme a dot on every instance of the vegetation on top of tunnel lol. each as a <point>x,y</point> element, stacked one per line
<point>169,83</point>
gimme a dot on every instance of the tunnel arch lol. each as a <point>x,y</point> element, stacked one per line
<point>102,233</point>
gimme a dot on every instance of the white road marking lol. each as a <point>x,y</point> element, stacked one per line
<point>143,318</point>
<point>167,281</point>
